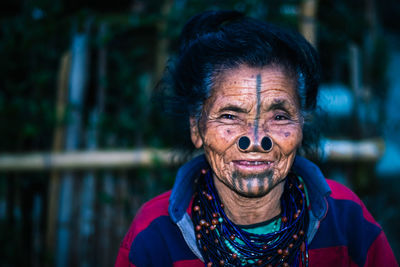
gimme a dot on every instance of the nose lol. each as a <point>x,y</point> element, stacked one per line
<point>245,144</point>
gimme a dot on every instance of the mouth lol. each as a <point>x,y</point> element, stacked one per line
<point>252,162</point>
<point>253,165</point>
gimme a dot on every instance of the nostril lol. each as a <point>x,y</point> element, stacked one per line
<point>266,143</point>
<point>244,142</point>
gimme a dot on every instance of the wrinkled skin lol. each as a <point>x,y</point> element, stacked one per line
<point>255,103</point>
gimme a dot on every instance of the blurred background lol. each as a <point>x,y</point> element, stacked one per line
<point>83,144</point>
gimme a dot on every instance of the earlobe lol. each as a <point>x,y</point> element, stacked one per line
<point>195,133</point>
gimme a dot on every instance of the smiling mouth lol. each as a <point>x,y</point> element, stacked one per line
<point>252,162</point>
<point>253,166</point>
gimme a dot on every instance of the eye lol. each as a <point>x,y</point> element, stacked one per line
<point>280,117</point>
<point>228,116</point>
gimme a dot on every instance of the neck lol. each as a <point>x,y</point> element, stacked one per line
<point>244,210</point>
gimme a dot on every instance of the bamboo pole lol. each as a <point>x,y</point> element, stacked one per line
<point>58,144</point>
<point>308,25</point>
<point>331,150</point>
<point>106,213</point>
<point>77,86</point>
<point>84,160</point>
<point>87,217</point>
<point>161,51</point>
<point>346,150</point>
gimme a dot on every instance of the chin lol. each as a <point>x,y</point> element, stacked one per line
<point>252,185</point>
<point>252,194</point>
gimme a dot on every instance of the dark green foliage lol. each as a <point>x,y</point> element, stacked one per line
<point>30,50</point>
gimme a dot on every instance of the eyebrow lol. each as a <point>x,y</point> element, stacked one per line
<point>233,108</point>
<point>280,104</point>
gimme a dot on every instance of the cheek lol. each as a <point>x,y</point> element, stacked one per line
<point>231,133</point>
<point>219,139</point>
<point>288,138</point>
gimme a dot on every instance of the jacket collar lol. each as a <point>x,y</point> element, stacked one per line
<point>316,184</point>
<point>183,188</point>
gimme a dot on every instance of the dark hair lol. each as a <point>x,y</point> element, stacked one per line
<point>214,41</point>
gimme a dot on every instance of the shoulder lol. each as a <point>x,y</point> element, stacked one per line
<point>340,191</point>
<point>150,211</point>
<point>343,196</point>
<point>349,233</point>
<point>154,239</point>
<point>347,229</point>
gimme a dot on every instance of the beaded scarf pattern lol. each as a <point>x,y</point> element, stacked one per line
<point>223,243</point>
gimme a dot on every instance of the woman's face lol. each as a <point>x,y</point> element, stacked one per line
<point>255,103</point>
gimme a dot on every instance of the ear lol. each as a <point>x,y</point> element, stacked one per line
<point>195,133</point>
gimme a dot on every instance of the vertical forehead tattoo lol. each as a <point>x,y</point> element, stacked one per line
<point>258,93</point>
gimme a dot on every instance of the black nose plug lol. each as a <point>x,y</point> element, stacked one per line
<point>244,143</point>
<point>266,143</point>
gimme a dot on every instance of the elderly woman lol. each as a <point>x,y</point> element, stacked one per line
<point>249,91</point>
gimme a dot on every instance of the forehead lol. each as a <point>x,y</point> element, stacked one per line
<point>244,83</point>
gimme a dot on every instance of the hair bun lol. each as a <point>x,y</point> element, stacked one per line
<point>205,23</point>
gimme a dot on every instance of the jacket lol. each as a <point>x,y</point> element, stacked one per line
<point>341,230</point>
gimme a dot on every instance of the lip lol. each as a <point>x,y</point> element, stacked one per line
<point>251,165</point>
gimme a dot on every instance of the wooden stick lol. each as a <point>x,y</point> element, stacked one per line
<point>346,150</point>
<point>331,150</point>
<point>58,145</point>
<point>307,25</point>
<point>88,160</point>
<point>79,75</point>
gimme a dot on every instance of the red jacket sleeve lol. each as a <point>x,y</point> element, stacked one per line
<point>380,253</point>
<point>152,209</point>
<point>123,258</point>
